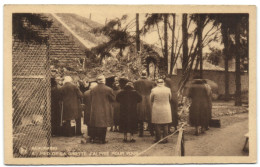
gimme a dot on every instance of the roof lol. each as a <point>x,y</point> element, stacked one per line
<point>82,27</point>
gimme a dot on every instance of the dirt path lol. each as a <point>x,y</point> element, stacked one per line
<point>227,141</point>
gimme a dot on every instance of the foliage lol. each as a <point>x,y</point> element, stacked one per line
<point>214,56</point>
<point>26,27</point>
<point>151,21</point>
<point>119,38</point>
<point>229,22</point>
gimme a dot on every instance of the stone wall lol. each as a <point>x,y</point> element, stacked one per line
<point>219,78</point>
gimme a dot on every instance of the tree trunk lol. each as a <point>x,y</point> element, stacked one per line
<point>200,23</point>
<point>225,40</point>
<point>185,43</point>
<point>166,41</point>
<point>137,33</point>
<point>238,101</point>
<point>172,48</point>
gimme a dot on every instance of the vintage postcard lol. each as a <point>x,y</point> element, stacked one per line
<point>129,84</point>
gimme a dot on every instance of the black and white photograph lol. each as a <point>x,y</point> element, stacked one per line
<point>130,84</point>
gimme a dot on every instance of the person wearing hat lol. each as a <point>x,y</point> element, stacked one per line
<point>59,81</point>
<point>101,114</point>
<point>161,109</point>
<point>116,108</point>
<point>128,99</point>
<point>209,94</point>
<point>55,107</point>
<point>87,110</point>
<point>198,114</point>
<point>144,86</point>
<point>70,97</point>
<point>174,102</point>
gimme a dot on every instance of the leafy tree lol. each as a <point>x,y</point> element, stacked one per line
<point>165,21</point>
<point>119,38</point>
<point>27,27</point>
<point>198,41</point>
<point>173,55</point>
<point>241,27</point>
<point>185,48</point>
<point>137,33</point>
<point>224,21</point>
<point>151,21</point>
<point>237,25</point>
<point>214,56</point>
<point>200,20</point>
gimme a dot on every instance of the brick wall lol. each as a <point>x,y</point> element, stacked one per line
<point>64,49</point>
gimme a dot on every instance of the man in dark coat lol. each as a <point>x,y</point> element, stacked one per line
<point>209,93</point>
<point>87,110</point>
<point>144,86</point>
<point>83,87</point>
<point>116,108</point>
<point>128,99</point>
<point>101,115</point>
<point>174,102</point>
<point>70,96</point>
<point>198,114</point>
<point>55,107</point>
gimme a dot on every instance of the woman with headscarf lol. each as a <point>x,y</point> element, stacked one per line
<point>128,99</point>
<point>161,110</point>
<point>70,97</point>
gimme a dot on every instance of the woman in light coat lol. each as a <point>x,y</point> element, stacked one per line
<point>161,109</point>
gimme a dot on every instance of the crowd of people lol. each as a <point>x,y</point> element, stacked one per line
<point>125,109</point>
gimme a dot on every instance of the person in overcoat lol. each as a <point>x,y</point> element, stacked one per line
<point>209,93</point>
<point>70,97</point>
<point>116,108</point>
<point>101,114</point>
<point>55,107</point>
<point>128,99</point>
<point>87,110</point>
<point>198,113</point>
<point>144,86</point>
<point>161,109</point>
<point>174,103</point>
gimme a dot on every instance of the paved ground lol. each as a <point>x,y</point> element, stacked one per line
<point>227,141</point>
<point>224,141</point>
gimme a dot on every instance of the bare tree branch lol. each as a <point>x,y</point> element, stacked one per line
<point>177,40</point>
<point>189,23</point>
<point>192,45</point>
<point>158,31</point>
<point>206,37</point>
<point>209,31</point>
<point>206,22</point>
